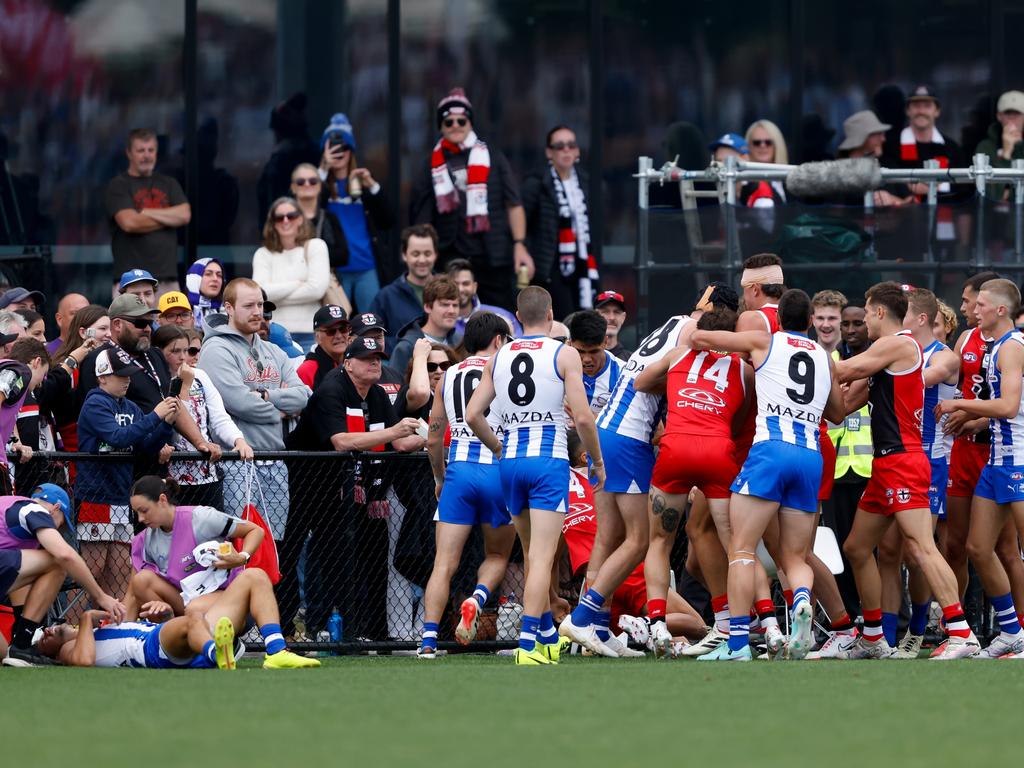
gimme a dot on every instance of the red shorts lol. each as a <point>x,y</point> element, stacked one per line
<point>685,461</point>
<point>630,598</point>
<point>898,482</point>
<point>828,468</point>
<point>6,622</point>
<point>965,464</point>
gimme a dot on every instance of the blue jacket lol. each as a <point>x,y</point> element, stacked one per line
<point>396,305</point>
<point>114,425</point>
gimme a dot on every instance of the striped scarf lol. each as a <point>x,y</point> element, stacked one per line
<point>478,169</point>
<point>574,256</point>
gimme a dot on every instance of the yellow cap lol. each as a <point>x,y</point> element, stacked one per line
<point>174,300</point>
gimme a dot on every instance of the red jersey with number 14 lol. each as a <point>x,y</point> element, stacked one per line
<point>705,390</point>
<point>897,404</point>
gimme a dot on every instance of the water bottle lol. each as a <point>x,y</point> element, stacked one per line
<point>335,627</point>
<point>510,612</point>
<point>323,637</point>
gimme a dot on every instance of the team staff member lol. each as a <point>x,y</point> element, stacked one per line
<point>350,411</point>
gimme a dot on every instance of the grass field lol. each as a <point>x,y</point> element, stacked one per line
<point>483,711</point>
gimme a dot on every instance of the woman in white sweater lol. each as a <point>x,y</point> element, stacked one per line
<point>293,267</point>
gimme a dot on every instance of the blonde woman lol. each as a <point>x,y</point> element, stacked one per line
<point>766,145</point>
<point>293,268</point>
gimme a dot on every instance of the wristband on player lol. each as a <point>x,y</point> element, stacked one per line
<point>246,555</point>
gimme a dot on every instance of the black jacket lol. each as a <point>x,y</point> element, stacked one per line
<point>541,208</point>
<point>378,219</point>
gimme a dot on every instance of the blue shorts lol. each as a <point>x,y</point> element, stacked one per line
<point>628,463</point>
<point>156,657</point>
<point>10,567</point>
<point>471,495</point>
<point>782,472</point>
<point>1001,484</point>
<point>937,487</point>
<point>535,482</point>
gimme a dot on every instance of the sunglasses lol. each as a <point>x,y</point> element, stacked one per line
<point>268,315</point>
<point>290,216</point>
<point>255,359</point>
<point>459,121</point>
<point>433,367</point>
<point>310,180</point>
<point>142,324</point>
<point>762,142</point>
<point>558,146</point>
<point>331,332</point>
<point>193,351</point>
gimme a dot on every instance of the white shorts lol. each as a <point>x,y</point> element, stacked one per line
<point>104,532</point>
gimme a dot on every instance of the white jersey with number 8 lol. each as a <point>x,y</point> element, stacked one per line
<point>635,414</point>
<point>792,385</point>
<point>460,381</point>
<point>528,393</point>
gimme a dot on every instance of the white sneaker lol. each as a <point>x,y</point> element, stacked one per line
<point>637,629</point>
<point>585,636</point>
<point>426,652</point>
<point>801,638</point>
<point>661,640</point>
<point>835,647</point>
<point>775,641</point>
<point>909,647</point>
<point>957,648</point>
<point>678,646</point>
<point>865,649</point>
<point>1003,646</point>
<point>620,646</point>
<point>712,640</point>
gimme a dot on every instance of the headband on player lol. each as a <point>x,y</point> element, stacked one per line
<point>770,275</point>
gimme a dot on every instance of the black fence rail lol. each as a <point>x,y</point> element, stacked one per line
<point>354,534</point>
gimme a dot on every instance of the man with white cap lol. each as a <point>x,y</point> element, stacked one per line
<point>1003,142</point>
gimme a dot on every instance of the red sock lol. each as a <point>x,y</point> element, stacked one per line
<point>720,606</point>
<point>788,595</point>
<point>719,603</point>
<point>842,623</point>
<point>956,622</point>
<point>1020,618</point>
<point>656,609</point>
<point>873,625</point>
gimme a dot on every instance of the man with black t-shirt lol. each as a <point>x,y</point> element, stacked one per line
<point>370,325</point>
<point>146,209</point>
<point>349,411</point>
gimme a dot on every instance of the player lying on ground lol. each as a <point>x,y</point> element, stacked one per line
<point>195,640</point>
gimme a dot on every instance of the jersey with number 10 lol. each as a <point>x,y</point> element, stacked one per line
<point>460,381</point>
<point>792,385</point>
<point>631,413</point>
<point>529,394</point>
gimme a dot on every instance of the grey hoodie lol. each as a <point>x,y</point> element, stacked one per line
<point>235,368</point>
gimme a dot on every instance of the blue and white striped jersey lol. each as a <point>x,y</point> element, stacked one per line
<point>936,445</point>
<point>460,381</point>
<point>1007,434</point>
<point>599,387</point>
<point>528,394</point>
<point>124,644</point>
<point>635,414</point>
<point>792,384</point>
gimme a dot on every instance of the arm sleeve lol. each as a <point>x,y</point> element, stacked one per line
<point>377,209</point>
<point>209,523</point>
<point>55,385</point>
<point>102,415</point>
<point>307,372</point>
<point>293,397</point>
<point>330,417</point>
<point>318,273</point>
<point>239,400</point>
<point>222,428</point>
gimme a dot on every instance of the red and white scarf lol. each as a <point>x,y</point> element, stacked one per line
<point>574,256</point>
<point>908,153</point>
<point>478,169</point>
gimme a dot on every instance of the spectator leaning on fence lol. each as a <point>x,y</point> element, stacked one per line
<point>293,268</point>
<point>260,390</point>
<point>146,209</point>
<point>436,323</point>
<point>368,324</point>
<point>1003,144</point>
<point>401,301</point>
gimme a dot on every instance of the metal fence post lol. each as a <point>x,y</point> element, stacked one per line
<point>642,259</point>
<point>1018,210</point>
<point>982,170</point>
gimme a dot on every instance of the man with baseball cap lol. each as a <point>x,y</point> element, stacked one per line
<point>175,309</point>
<point>331,329</point>
<point>612,307</point>
<point>1003,142</point>
<point>349,411</point>
<point>21,298</point>
<point>372,326</point>
<point>141,283</point>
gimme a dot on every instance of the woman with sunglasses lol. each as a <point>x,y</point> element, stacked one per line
<point>306,186</point>
<point>195,346</point>
<point>293,268</point>
<point>767,145</point>
<point>199,481</point>
<point>355,198</point>
<point>555,202</point>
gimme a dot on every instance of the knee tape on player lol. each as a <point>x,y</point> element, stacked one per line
<point>738,560</point>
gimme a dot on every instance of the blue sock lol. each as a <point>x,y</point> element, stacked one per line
<point>528,632</point>
<point>739,632</point>
<point>429,639</point>
<point>548,633</point>
<point>1005,614</point>
<point>801,595</point>
<point>481,594</point>
<point>890,623</point>
<point>586,612</point>
<point>601,622</point>
<point>210,652</point>
<point>919,617</point>
<point>272,638</point>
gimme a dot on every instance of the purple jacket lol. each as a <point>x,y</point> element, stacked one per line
<point>180,561</point>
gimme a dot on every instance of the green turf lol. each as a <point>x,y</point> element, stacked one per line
<point>483,711</point>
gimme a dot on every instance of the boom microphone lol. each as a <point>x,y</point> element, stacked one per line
<point>835,177</point>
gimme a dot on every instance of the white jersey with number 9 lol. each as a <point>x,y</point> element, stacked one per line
<point>792,384</point>
<point>528,393</point>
